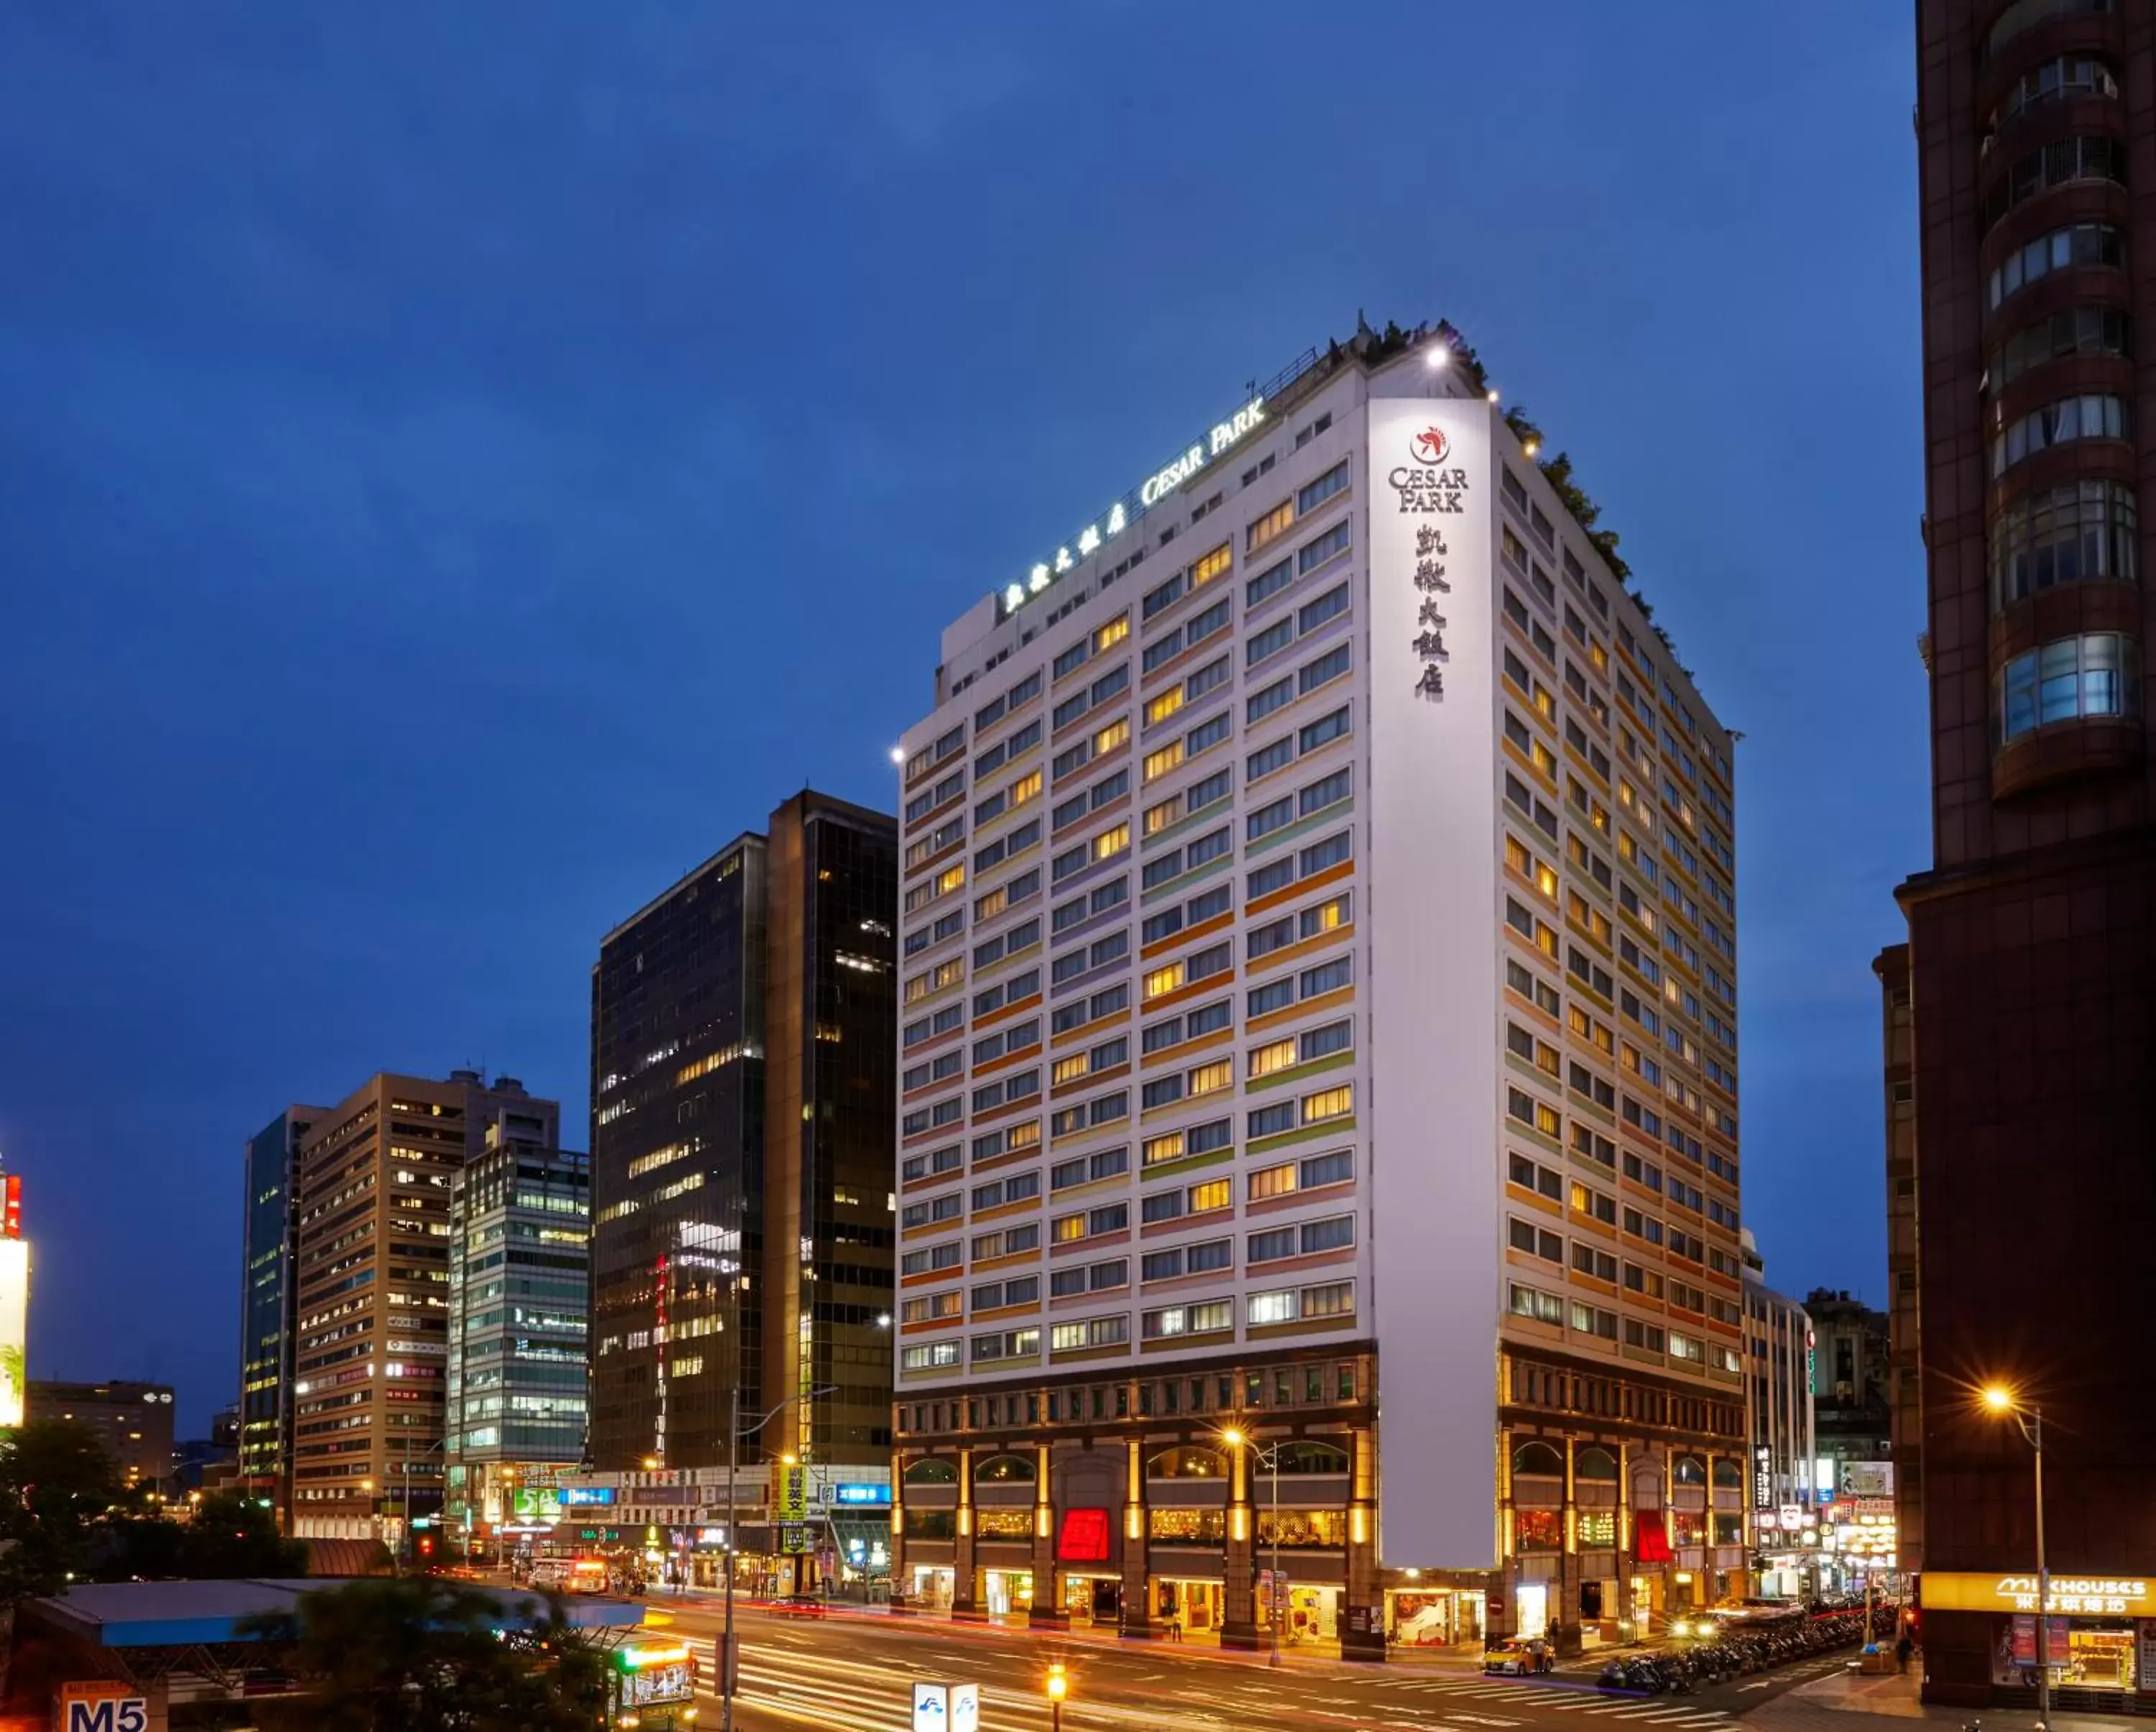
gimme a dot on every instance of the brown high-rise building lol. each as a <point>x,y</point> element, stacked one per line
<point>2032,937</point>
<point>370,1263</point>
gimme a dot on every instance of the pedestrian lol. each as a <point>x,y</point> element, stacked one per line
<point>1901,1651</point>
<point>1175,1626</point>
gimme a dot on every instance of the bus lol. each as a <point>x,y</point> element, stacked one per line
<point>653,1686</point>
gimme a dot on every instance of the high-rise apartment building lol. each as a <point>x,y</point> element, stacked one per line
<point>519,1281</point>
<point>267,1302</point>
<point>742,1041</point>
<point>371,1264</point>
<point>2032,933</point>
<point>1318,1004</point>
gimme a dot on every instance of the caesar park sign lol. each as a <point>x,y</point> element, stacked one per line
<point>1224,436</point>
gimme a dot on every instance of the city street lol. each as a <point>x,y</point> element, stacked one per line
<point>855,1671</point>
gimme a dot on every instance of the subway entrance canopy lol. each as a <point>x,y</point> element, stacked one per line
<point>144,1632</point>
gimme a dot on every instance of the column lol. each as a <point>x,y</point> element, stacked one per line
<point>899,1580</point>
<point>1624,1612</point>
<point>1239,1607</point>
<point>1362,1602</point>
<point>1048,1612</point>
<point>965,1602</point>
<point>1504,1603</point>
<point>1669,1457</point>
<point>1137,1601</point>
<point>1564,1616</point>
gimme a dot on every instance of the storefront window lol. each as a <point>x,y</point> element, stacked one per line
<point>1539,1529</point>
<point>931,1523</point>
<point>1687,1527</point>
<point>999,1523</point>
<point>2089,1655</point>
<point>1598,1527</point>
<point>1197,1527</point>
<point>1303,1527</point>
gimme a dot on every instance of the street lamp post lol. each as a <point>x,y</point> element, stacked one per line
<point>1999,1398</point>
<point>735,1433</point>
<point>1268,1455</point>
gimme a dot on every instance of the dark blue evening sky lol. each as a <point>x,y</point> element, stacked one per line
<point>460,464</point>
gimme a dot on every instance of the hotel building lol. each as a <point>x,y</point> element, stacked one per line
<point>1318,1095</point>
<point>2032,933</point>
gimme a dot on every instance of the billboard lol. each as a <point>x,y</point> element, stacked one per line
<point>1867,1479</point>
<point>1435,1024</point>
<point>14,1327</point>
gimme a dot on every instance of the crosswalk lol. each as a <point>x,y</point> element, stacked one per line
<point>1563,1697</point>
<point>821,1689</point>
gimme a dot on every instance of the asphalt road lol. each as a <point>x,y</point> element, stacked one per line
<point>854,1672</point>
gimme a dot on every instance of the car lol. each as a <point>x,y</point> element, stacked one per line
<point>800,1606</point>
<point>1519,1655</point>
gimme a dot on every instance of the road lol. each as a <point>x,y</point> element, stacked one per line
<point>853,1673</point>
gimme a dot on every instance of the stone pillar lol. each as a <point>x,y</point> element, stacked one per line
<point>965,1601</point>
<point>1564,1616</point>
<point>1363,1603</point>
<point>899,1578</point>
<point>1669,1530</point>
<point>1138,1602</point>
<point>1238,1599</point>
<point>1504,1618</point>
<point>1624,1537</point>
<point>1048,1612</point>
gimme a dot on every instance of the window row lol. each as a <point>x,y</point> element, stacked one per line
<point>2083,531</point>
<point>2057,164</point>
<point>2096,674</point>
<point>2072,331</point>
<point>2077,244</point>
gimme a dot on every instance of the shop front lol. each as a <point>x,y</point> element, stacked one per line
<point>1093,1599</point>
<point>1192,1604</point>
<point>1008,1591</point>
<point>931,1587</point>
<point>2098,1641</point>
<point>1435,1616</point>
<point>1310,1614</point>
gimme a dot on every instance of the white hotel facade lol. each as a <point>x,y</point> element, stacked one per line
<point>1318,1055</point>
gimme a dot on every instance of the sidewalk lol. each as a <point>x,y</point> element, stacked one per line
<point>1848,1702</point>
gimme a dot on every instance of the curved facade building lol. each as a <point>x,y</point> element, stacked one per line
<point>2032,953</point>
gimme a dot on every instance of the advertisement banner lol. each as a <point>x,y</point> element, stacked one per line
<point>1435,1097</point>
<point>1867,1479</point>
<point>14,1328</point>
<point>793,1493</point>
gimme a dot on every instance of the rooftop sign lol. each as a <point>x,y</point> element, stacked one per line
<point>1198,455</point>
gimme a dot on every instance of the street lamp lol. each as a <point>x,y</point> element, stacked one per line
<point>1268,1455</point>
<point>2000,1400</point>
<point>1058,1687</point>
<point>735,1433</point>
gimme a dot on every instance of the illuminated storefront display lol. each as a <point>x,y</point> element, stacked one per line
<point>14,1328</point>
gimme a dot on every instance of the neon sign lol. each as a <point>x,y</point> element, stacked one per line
<point>1164,480</point>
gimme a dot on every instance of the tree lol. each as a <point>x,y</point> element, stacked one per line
<point>228,1537</point>
<point>420,1654</point>
<point>58,1487</point>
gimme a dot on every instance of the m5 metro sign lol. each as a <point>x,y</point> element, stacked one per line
<point>102,1707</point>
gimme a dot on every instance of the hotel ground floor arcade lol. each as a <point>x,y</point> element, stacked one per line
<point>1127,1501</point>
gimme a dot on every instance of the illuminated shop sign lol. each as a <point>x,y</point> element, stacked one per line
<point>1946,1591</point>
<point>586,1496</point>
<point>879,1494</point>
<point>1195,457</point>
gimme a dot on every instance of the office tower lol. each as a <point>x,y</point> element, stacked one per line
<point>268,1302</point>
<point>742,1040</point>
<point>134,1421</point>
<point>2032,933</point>
<point>520,1279</point>
<point>1318,1001</point>
<point>371,1265</point>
